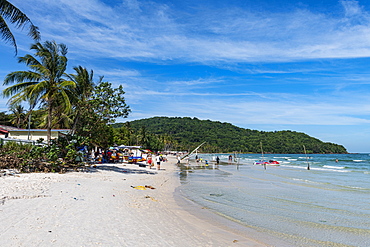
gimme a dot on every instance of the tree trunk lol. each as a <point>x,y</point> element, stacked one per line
<point>50,113</point>
<point>77,118</point>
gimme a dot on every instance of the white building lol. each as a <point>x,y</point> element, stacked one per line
<point>35,134</point>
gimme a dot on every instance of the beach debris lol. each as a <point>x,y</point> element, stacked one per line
<point>139,187</point>
<point>5,198</point>
<point>8,172</point>
<point>235,241</point>
<point>78,199</point>
<point>218,195</point>
<point>164,181</point>
<point>151,198</point>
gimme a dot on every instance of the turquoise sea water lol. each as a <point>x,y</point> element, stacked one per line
<point>328,205</point>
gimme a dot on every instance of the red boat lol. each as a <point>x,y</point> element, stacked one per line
<point>270,162</point>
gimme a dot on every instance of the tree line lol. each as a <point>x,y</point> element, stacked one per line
<point>187,133</point>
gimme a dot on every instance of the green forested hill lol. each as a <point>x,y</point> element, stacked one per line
<point>186,133</point>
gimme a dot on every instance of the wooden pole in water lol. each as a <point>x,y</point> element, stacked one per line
<point>264,164</point>
<point>308,164</point>
<point>236,157</point>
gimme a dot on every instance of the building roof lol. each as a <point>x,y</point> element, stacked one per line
<point>41,130</point>
<point>3,131</point>
<point>5,127</point>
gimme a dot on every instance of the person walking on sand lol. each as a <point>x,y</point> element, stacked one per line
<point>158,160</point>
<point>149,161</point>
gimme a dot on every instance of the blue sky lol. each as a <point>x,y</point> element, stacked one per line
<point>266,65</point>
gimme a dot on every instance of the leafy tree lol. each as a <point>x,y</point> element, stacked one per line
<point>15,16</point>
<point>98,111</point>
<point>44,81</point>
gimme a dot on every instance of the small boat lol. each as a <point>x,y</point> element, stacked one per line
<point>264,162</point>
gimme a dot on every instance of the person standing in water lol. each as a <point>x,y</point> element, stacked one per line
<point>230,158</point>
<point>217,160</point>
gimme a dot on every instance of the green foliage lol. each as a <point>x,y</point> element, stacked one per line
<point>5,119</point>
<point>187,133</point>
<point>18,116</point>
<point>98,110</point>
<point>108,102</point>
<point>58,156</point>
<point>124,134</point>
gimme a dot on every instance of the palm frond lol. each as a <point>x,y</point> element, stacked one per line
<point>14,89</point>
<point>7,34</point>
<point>19,19</point>
<point>21,76</point>
<point>17,98</point>
<point>28,60</point>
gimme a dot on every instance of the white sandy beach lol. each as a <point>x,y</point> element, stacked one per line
<point>100,208</point>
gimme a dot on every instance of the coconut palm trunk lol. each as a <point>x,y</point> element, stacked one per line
<point>49,126</point>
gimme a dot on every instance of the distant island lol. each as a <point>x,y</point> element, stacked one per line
<point>185,133</point>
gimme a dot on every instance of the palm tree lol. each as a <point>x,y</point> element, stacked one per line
<point>43,81</point>
<point>82,93</point>
<point>19,116</point>
<point>19,19</point>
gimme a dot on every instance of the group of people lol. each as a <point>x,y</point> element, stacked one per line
<point>118,156</point>
<point>198,159</point>
<point>158,159</point>
<point>107,156</point>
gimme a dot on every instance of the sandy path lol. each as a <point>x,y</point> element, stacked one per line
<point>100,208</point>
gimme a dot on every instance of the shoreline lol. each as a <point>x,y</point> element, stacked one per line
<point>245,235</point>
<point>103,207</point>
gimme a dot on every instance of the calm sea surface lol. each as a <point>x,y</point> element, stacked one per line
<point>328,205</point>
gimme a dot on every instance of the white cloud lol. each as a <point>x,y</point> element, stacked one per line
<point>121,73</point>
<point>352,8</point>
<point>160,32</point>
